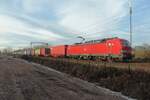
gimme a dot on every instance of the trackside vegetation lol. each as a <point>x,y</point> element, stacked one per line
<point>132,83</point>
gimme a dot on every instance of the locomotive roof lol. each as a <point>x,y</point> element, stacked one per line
<point>97,41</point>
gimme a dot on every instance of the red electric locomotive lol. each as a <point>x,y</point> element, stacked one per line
<point>110,48</point>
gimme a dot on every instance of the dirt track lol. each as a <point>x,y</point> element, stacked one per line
<point>21,80</point>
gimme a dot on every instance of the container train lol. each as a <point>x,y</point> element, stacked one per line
<point>104,49</point>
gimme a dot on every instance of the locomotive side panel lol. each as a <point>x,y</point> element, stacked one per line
<point>87,50</point>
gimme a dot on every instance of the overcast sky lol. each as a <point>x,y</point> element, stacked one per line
<point>61,21</point>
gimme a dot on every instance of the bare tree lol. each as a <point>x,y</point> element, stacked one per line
<point>7,51</point>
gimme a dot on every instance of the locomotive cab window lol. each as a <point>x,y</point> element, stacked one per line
<point>125,43</point>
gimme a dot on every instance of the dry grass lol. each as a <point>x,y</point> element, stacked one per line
<point>133,83</point>
<point>142,54</point>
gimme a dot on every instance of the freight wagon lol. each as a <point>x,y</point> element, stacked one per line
<point>37,52</point>
<point>58,51</point>
<point>27,51</point>
<point>41,52</point>
<point>32,52</point>
<point>44,52</point>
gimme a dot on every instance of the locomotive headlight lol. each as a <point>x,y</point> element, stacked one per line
<point>109,44</point>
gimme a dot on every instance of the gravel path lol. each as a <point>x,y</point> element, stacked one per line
<point>22,80</point>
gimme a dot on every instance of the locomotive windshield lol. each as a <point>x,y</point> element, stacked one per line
<point>125,43</point>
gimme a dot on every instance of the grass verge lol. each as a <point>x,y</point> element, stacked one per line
<point>133,83</point>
